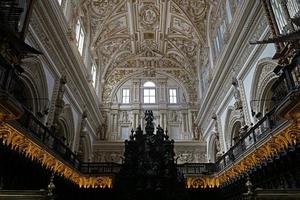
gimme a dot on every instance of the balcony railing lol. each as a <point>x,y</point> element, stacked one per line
<point>197,168</point>
<point>254,135</point>
<point>37,130</point>
<point>100,168</point>
<point>287,84</point>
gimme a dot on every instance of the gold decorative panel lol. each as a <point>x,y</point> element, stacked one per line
<point>19,142</point>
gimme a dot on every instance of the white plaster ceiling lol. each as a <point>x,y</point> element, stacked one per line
<point>131,36</point>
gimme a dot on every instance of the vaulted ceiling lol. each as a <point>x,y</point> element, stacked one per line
<point>140,36</point>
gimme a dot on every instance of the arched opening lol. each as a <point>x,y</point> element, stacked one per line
<point>65,130</point>
<point>149,84</point>
<point>235,133</point>
<point>215,151</point>
<point>84,150</point>
<point>149,92</point>
<point>63,133</point>
<point>23,94</point>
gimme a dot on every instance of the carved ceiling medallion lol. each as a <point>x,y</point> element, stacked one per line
<point>149,16</point>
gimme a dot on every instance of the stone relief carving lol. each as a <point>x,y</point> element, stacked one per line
<point>113,80</point>
<point>124,116</point>
<point>103,7</point>
<point>182,26</point>
<point>239,64</point>
<point>188,47</point>
<point>217,137</point>
<point>149,16</point>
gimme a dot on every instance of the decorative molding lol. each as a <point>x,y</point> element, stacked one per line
<point>281,141</point>
<point>219,87</point>
<point>27,146</point>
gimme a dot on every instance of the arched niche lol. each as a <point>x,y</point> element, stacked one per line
<point>232,126</point>
<point>33,89</point>
<point>212,147</point>
<point>261,94</point>
<point>85,148</point>
<point>66,126</point>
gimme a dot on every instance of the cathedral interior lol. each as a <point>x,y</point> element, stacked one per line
<point>149,99</point>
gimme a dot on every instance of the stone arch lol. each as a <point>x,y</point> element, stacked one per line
<point>137,74</point>
<point>211,147</point>
<point>66,129</point>
<point>34,86</point>
<point>232,123</point>
<point>264,78</point>
<point>85,148</point>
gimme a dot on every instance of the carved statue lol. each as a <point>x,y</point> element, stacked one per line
<point>217,140</point>
<point>102,129</point>
<point>59,103</point>
<point>124,116</point>
<point>197,132</point>
<point>80,151</point>
<point>238,104</point>
<point>237,94</point>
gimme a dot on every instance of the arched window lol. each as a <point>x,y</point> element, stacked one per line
<point>94,73</point>
<point>293,7</point>
<point>279,16</point>
<point>173,95</point>
<point>235,133</point>
<point>228,12</point>
<point>59,2</point>
<point>79,37</point>
<point>149,92</point>
<point>149,84</point>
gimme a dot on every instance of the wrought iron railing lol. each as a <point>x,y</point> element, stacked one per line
<point>287,83</point>
<point>254,135</point>
<point>197,168</point>
<point>37,130</point>
<point>100,168</point>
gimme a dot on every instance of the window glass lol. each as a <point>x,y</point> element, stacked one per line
<point>149,84</point>
<point>79,37</point>
<point>293,8</point>
<point>173,95</point>
<point>279,17</point>
<point>228,12</point>
<point>149,95</point>
<point>94,73</point>
<point>125,96</point>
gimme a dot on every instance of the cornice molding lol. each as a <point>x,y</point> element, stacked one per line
<point>68,57</point>
<point>239,51</point>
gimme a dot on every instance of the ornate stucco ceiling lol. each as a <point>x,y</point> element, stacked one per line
<point>130,36</point>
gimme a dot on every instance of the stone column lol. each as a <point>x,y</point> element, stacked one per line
<point>134,121</point>
<point>162,90</point>
<point>183,127</point>
<point>190,122</point>
<point>165,123</point>
<point>161,120</point>
<point>59,102</point>
<point>136,90</point>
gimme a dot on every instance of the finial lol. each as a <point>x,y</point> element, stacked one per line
<point>51,186</point>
